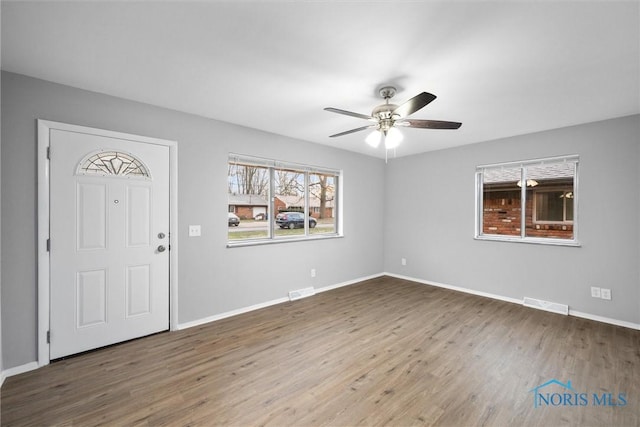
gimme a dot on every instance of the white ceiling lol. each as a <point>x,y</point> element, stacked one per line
<point>502,68</point>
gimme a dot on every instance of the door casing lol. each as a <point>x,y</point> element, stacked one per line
<point>44,128</point>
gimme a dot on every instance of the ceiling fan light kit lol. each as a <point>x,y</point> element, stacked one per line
<point>387,117</point>
<point>374,138</point>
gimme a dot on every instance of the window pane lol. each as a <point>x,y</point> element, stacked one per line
<point>501,208</point>
<point>113,163</point>
<point>552,200</point>
<point>289,203</point>
<point>248,198</point>
<point>322,202</point>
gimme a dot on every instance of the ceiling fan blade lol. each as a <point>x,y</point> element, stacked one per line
<point>414,104</point>
<point>349,113</point>
<point>353,131</point>
<point>430,124</point>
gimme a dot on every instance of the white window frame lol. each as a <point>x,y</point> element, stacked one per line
<point>523,238</point>
<point>272,166</point>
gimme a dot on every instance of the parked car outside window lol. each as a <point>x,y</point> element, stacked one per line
<point>293,220</point>
<point>234,221</point>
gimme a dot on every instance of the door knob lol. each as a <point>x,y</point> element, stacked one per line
<point>161,248</point>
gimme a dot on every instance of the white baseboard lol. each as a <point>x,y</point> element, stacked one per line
<point>243,310</point>
<point>457,288</point>
<point>1,379</point>
<point>19,370</point>
<point>231,313</point>
<point>603,319</point>
<point>349,282</point>
<point>575,313</point>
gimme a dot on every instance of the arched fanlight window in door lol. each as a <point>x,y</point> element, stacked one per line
<point>116,163</point>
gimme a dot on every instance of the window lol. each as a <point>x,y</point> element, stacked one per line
<point>278,201</point>
<point>530,201</point>
<point>117,163</point>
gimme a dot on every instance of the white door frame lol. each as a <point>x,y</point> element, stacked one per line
<point>44,129</point>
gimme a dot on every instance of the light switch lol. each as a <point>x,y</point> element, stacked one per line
<point>194,231</point>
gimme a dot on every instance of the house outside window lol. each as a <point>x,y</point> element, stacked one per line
<point>546,188</point>
<point>262,192</point>
<point>553,206</point>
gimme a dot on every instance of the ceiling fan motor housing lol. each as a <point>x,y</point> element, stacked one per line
<point>384,114</point>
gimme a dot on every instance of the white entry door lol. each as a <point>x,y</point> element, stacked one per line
<point>109,248</point>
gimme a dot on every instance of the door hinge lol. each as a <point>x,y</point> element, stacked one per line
<point>48,337</point>
<point>48,245</point>
<point>49,153</point>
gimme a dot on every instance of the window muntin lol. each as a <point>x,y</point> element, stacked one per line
<point>261,192</point>
<point>548,196</point>
<point>113,163</point>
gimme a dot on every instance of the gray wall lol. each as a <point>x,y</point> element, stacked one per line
<point>1,353</point>
<point>212,278</point>
<point>437,188</point>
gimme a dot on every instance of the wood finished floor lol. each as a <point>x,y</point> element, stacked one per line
<point>381,352</point>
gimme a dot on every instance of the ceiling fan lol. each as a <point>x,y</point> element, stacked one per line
<point>388,117</point>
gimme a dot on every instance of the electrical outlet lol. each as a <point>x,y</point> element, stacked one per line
<point>403,261</point>
<point>313,272</point>
<point>194,231</point>
<point>595,292</point>
<point>605,293</point>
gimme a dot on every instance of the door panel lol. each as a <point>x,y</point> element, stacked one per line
<point>109,283</point>
<point>91,224</point>
<point>91,299</point>
<point>138,215</point>
<point>138,290</point>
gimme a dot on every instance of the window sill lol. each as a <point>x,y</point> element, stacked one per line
<point>530,240</point>
<point>242,243</point>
